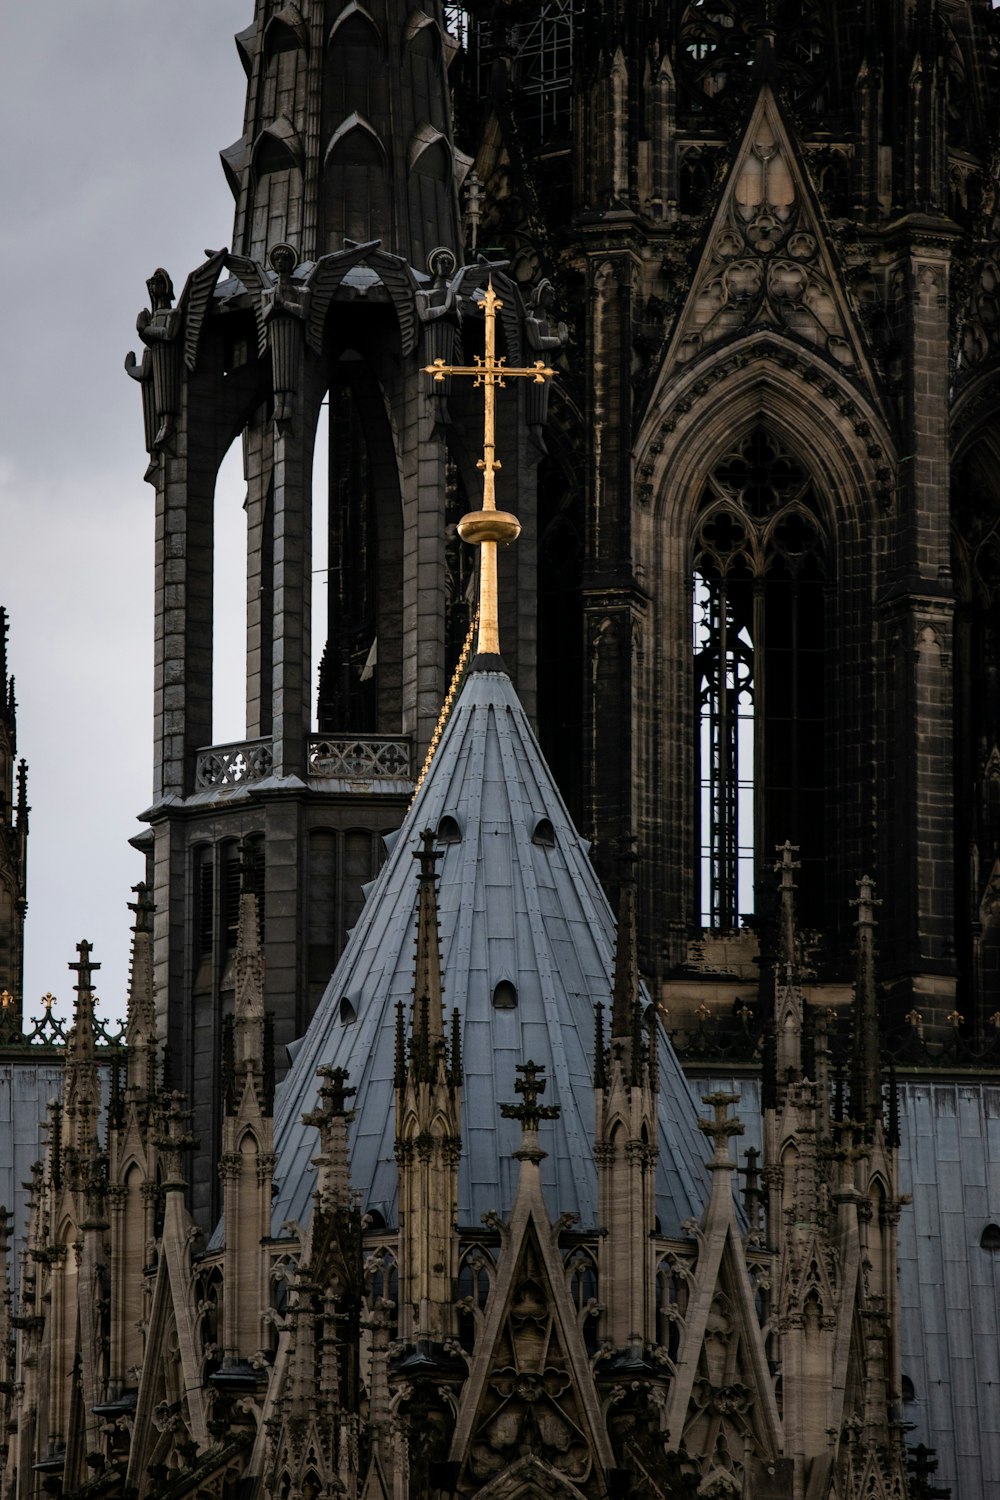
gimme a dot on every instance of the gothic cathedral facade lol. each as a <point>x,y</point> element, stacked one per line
<point>724,821</point>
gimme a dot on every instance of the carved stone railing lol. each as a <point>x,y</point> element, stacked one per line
<point>232,765</point>
<point>339,757</point>
<point>347,758</point>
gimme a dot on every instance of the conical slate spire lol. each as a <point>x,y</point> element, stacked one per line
<point>527,943</point>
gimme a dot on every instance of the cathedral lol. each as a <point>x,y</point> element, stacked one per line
<point>563,1041</point>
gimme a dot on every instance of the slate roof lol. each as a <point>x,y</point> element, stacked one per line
<point>949,1160</point>
<point>510,909</point>
<point>950,1286</point>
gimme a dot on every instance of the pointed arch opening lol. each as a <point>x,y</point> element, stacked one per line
<point>354,187</point>
<point>285,32</point>
<point>276,149</point>
<point>355,27</point>
<point>431,158</point>
<point>975,533</point>
<point>815,545</point>
<point>759,568</point>
<point>357,550</point>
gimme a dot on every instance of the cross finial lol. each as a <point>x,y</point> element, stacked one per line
<point>427,855</point>
<point>723,1124</point>
<point>530,1085</point>
<point>84,967</point>
<point>488,527</point>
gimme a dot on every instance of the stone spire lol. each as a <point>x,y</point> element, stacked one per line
<point>789,1006</point>
<point>140,1023</point>
<point>322,106</point>
<point>428,1134</point>
<point>246,1165</point>
<point>133,1122</point>
<point>626,1003</point>
<point>626,1132</point>
<point>866,1062</point>
<point>82,1089</point>
<point>13,848</point>
<point>251,1061</point>
<point>427,1034</point>
<point>331,1117</point>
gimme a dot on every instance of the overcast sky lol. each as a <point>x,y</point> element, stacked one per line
<point>113,113</point>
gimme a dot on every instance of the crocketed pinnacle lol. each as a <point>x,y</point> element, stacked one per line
<point>866,1061</point>
<point>626,1002</point>
<point>428,1010</point>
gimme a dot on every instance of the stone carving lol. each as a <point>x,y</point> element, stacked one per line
<point>765,265</point>
<point>233,765</point>
<point>544,336</point>
<point>529,1405</point>
<point>979,335</point>
<point>169,333</point>
<point>717,45</point>
<point>279,309</point>
<point>360,760</point>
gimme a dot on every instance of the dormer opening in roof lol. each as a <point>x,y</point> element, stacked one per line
<point>543,834</point>
<point>990,1237</point>
<point>489,528</point>
<point>504,995</point>
<point>449,830</point>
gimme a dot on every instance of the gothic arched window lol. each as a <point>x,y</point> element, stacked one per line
<point>976,565</point>
<point>758,567</point>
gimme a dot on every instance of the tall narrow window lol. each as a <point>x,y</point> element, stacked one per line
<point>758,563</point>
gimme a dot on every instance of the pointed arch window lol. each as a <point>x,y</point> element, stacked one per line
<point>759,563</point>
<point>976,566</point>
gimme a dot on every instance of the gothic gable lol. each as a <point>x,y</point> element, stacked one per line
<point>530,1392</point>
<point>767,263</point>
<point>166,1432</point>
<point>722,1404</point>
<point>529,1402</point>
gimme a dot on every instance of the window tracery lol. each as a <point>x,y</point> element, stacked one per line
<point>758,565</point>
<point>718,41</point>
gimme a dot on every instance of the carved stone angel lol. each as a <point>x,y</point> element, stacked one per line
<point>543,335</point>
<point>159,374</point>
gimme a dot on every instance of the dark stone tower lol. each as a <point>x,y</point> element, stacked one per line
<point>759,565</point>
<point>13,852</point>
<point>767,517</point>
<point>344,281</point>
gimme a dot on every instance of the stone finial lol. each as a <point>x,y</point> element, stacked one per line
<point>751,1186</point>
<point>331,1118</point>
<point>175,1139</point>
<point>785,867</point>
<point>473,194</point>
<point>600,1054</point>
<point>22,796</point>
<point>140,1024</point>
<point>82,1090</point>
<point>625,995</point>
<point>530,1085</point>
<point>84,968</point>
<point>721,1126</point>
<point>428,1032</point>
<point>142,907</point>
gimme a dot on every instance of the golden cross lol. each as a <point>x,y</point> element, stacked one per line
<point>487,527</point>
